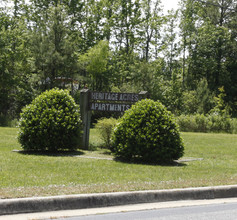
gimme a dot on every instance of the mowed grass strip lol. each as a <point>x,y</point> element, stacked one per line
<point>24,175</point>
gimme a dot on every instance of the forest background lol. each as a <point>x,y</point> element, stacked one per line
<point>187,58</point>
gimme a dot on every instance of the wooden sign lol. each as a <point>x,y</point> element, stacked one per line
<point>112,96</point>
<point>112,101</point>
<point>103,101</point>
<point>109,107</point>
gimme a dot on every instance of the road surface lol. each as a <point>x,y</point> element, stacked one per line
<point>203,212</point>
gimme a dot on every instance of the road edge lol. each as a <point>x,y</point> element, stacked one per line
<point>97,200</point>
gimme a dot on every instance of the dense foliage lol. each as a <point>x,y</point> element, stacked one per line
<point>147,132</point>
<point>50,123</point>
<point>207,123</point>
<point>181,58</point>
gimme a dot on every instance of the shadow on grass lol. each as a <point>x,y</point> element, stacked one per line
<point>106,152</point>
<point>140,162</point>
<point>52,153</point>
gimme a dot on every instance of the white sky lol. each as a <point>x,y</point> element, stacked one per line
<point>169,4</point>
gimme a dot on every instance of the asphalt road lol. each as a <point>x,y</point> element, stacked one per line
<point>226,211</point>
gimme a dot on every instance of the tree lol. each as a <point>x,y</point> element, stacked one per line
<point>95,63</point>
<point>209,44</point>
<point>150,26</point>
<point>109,7</point>
<point>189,18</point>
<point>127,18</point>
<point>53,49</point>
<point>171,50</point>
<point>6,81</point>
<point>15,68</point>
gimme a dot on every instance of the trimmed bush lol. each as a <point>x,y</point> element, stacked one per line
<point>105,127</point>
<point>147,132</point>
<point>50,123</point>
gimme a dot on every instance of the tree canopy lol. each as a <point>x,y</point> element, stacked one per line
<point>182,58</point>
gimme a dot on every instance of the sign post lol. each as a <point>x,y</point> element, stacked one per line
<point>104,101</point>
<point>86,117</point>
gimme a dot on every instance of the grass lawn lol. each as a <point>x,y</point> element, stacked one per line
<point>24,175</point>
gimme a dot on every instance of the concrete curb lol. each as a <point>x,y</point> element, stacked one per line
<point>83,201</point>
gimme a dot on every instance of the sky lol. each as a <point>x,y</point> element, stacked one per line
<point>169,4</point>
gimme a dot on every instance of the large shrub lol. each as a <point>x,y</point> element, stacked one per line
<point>50,123</point>
<point>147,132</point>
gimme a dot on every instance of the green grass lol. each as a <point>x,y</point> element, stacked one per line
<point>23,175</point>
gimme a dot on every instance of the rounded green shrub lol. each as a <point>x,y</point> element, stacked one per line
<point>148,133</point>
<point>50,123</point>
